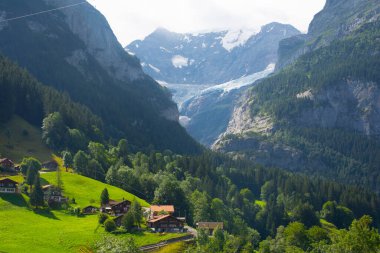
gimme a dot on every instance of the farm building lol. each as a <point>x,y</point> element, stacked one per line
<point>166,223</point>
<point>8,186</point>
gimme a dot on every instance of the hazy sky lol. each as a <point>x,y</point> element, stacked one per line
<point>135,19</point>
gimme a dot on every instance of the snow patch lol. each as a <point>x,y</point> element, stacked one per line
<point>184,120</point>
<point>204,45</point>
<point>236,38</point>
<point>164,49</point>
<point>187,39</point>
<point>180,61</point>
<point>157,70</point>
<point>305,94</point>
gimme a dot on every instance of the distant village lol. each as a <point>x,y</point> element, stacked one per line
<point>159,218</point>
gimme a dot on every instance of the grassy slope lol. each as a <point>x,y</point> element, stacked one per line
<point>23,230</point>
<point>15,145</point>
<point>87,191</point>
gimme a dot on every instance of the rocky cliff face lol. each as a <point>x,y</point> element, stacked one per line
<point>351,104</point>
<point>93,29</point>
<point>209,58</point>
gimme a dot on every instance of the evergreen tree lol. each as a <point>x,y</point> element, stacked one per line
<point>104,197</point>
<point>128,221</point>
<point>67,159</point>
<point>81,163</point>
<point>59,179</point>
<point>137,212</point>
<point>37,195</point>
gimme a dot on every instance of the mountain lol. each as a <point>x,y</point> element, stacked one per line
<point>75,51</point>
<point>207,71</point>
<point>209,58</point>
<point>338,19</point>
<point>320,114</point>
<point>207,114</point>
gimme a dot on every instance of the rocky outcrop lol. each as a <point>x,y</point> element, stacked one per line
<point>93,29</point>
<point>352,105</point>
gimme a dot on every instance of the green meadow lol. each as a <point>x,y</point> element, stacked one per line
<point>23,229</point>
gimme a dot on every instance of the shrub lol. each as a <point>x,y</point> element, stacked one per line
<point>102,218</point>
<point>109,225</point>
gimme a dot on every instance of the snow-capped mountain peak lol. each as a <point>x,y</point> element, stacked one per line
<point>209,57</point>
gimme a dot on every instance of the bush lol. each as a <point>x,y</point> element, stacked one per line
<point>109,225</point>
<point>102,218</point>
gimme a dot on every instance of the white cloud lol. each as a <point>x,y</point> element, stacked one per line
<point>132,20</point>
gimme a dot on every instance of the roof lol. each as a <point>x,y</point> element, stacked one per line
<point>162,217</point>
<point>112,203</point>
<point>165,208</point>
<point>8,180</point>
<point>89,207</point>
<point>210,225</point>
<point>7,160</point>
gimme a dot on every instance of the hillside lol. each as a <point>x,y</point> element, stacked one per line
<point>75,51</point>
<point>25,230</point>
<point>19,138</point>
<point>318,116</point>
<point>77,186</point>
<point>338,18</point>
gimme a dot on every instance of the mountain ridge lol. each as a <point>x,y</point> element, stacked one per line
<point>209,58</point>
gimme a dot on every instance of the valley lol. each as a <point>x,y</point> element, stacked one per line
<point>249,136</point>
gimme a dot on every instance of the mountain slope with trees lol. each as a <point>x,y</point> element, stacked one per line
<point>76,52</point>
<point>321,111</point>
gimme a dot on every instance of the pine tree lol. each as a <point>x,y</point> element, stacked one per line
<point>104,197</point>
<point>136,212</point>
<point>59,179</point>
<point>37,195</point>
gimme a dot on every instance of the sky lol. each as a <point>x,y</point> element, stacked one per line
<point>132,20</point>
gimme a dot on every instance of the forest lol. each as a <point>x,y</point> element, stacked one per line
<point>349,155</point>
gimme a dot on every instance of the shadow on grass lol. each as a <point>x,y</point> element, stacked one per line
<point>46,213</point>
<point>14,199</point>
<point>44,181</point>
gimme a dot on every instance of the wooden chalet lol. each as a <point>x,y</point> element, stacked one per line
<point>210,226</point>
<point>50,165</point>
<point>116,208</point>
<point>6,163</point>
<point>159,210</point>
<point>166,223</point>
<point>90,210</point>
<point>53,195</point>
<point>8,186</point>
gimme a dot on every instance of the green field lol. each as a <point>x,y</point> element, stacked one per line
<point>86,191</point>
<point>18,139</point>
<point>25,230</point>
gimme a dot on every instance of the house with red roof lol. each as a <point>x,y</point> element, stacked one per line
<point>159,210</point>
